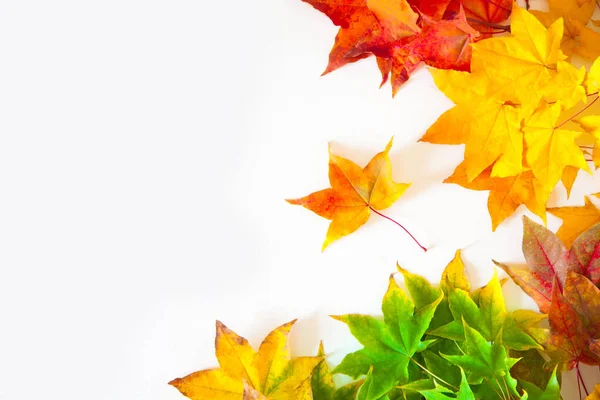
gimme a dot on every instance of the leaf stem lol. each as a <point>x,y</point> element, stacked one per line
<point>500,393</point>
<point>580,112</point>
<point>579,387</point>
<point>433,375</point>
<point>582,382</point>
<point>506,387</point>
<point>400,225</point>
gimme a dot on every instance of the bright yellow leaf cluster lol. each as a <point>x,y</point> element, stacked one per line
<point>520,114</point>
<point>245,374</point>
<point>578,39</point>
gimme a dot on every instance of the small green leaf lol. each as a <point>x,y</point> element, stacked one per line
<point>481,359</point>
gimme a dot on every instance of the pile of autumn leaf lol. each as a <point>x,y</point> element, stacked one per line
<point>437,343</point>
<point>523,115</point>
<point>527,116</point>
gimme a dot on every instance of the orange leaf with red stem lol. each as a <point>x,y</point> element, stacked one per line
<point>354,193</point>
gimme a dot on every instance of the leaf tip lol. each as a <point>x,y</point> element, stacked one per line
<point>175,382</point>
<point>341,318</point>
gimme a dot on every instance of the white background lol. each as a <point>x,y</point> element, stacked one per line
<point>146,149</point>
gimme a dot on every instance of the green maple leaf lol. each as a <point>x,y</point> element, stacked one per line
<point>551,392</point>
<point>423,292</point>
<point>485,311</point>
<point>484,362</point>
<point>389,345</point>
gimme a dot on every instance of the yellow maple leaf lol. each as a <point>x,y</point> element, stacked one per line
<point>569,9</point>
<point>490,128</point>
<point>354,193</point>
<point>248,375</point>
<point>577,39</point>
<point>519,66</point>
<point>549,148</point>
<point>508,78</point>
<point>576,220</point>
<point>592,82</point>
<point>509,113</point>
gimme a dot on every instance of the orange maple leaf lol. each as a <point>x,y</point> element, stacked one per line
<point>444,44</point>
<point>393,32</point>
<point>576,220</point>
<point>354,193</point>
<point>366,24</point>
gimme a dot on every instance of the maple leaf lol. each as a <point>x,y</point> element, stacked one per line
<point>489,128</point>
<point>578,39</point>
<point>533,367</point>
<point>509,76</point>
<point>523,63</point>
<point>250,375</point>
<point>506,194</point>
<point>322,384</point>
<point>586,252</point>
<point>354,193</point>
<point>442,44</point>
<point>389,345</point>
<point>368,23</point>
<point>550,149</point>
<point>423,292</point>
<point>568,332</point>
<point>489,316</point>
<point>389,30</point>
<point>547,257</point>
<point>560,282</point>
<point>584,297</point>
<point>550,392</point>
<point>576,220</point>
<point>592,82</point>
<point>484,361</point>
